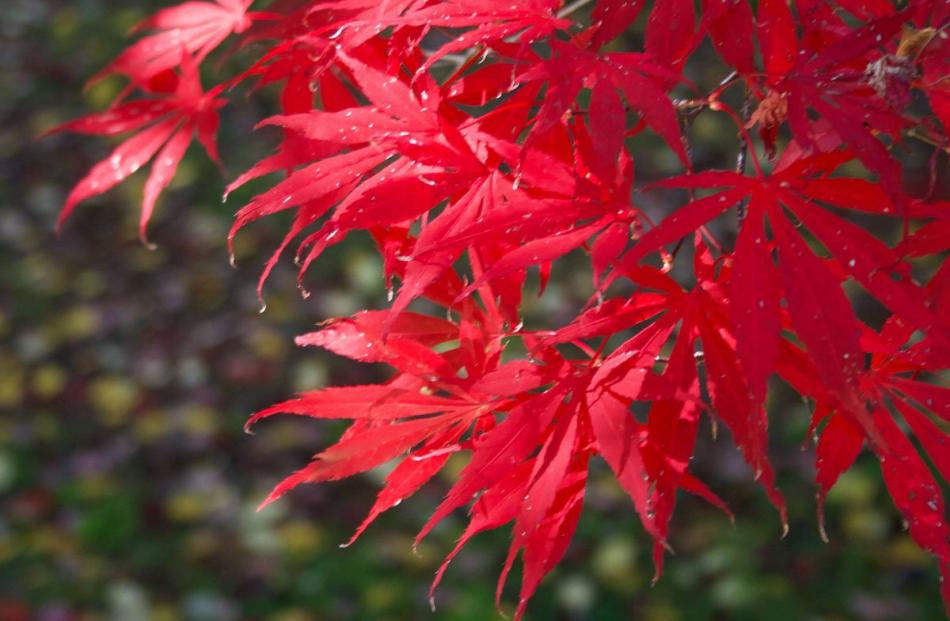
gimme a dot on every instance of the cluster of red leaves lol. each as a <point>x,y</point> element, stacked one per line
<point>476,139</point>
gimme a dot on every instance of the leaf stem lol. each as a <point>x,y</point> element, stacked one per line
<point>744,134</point>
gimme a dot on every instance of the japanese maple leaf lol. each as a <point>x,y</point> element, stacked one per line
<point>909,480</point>
<point>824,321</point>
<point>626,376</point>
<point>810,285</point>
<point>198,27</point>
<point>392,418</point>
<point>165,126</point>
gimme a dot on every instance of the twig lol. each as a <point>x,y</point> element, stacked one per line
<point>743,151</point>
<point>574,6</point>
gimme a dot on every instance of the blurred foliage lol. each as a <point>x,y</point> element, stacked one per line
<point>128,490</point>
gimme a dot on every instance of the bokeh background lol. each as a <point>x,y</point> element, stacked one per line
<point>128,489</point>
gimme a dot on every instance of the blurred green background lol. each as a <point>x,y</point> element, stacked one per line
<point>128,490</point>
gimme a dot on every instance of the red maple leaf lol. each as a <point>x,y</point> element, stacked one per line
<point>165,125</point>
<point>198,27</point>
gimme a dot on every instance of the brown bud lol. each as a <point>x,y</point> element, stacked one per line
<point>913,42</point>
